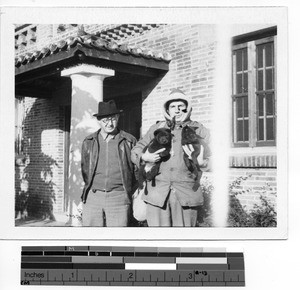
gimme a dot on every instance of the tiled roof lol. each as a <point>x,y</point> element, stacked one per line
<point>91,41</point>
<point>121,31</point>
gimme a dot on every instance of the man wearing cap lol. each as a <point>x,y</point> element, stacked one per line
<point>172,201</point>
<point>107,171</point>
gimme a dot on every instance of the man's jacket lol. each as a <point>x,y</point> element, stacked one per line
<point>89,159</point>
<point>173,173</point>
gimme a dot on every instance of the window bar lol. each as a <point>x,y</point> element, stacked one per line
<point>275,85</point>
<point>265,117</point>
<point>243,106</point>
<point>274,117</point>
<point>234,99</point>
<point>264,95</point>
<point>234,121</point>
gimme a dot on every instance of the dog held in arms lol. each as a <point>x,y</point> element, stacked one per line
<point>189,137</point>
<point>162,139</point>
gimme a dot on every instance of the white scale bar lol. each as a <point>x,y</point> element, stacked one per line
<point>149,266</point>
<point>201,260</point>
<point>214,250</point>
<point>172,266</point>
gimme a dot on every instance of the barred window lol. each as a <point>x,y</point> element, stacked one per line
<point>254,93</point>
<point>265,92</point>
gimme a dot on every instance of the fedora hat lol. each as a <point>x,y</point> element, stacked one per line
<point>106,109</point>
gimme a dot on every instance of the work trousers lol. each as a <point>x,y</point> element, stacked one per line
<point>109,209</point>
<point>172,214</point>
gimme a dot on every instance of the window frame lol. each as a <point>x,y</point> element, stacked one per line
<point>250,45</point>
<point>235,96</point>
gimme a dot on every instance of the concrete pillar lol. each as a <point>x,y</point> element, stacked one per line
<point>87,92</point>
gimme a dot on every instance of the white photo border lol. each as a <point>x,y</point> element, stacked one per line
<point>197,15</point>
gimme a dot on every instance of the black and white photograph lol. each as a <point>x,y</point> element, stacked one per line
<point>73,80</point>
<point>163,127</point>
<point>151,124</point>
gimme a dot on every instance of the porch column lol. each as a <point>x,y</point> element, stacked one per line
<point>87,91</point>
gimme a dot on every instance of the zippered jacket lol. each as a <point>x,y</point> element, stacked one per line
<point>89,158</point>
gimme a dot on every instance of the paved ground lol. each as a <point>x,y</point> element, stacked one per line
<point>38,223</point>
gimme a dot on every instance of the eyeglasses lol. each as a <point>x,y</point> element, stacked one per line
<point>109,119</point>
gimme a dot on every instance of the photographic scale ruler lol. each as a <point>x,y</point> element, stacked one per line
<point>131,266</point>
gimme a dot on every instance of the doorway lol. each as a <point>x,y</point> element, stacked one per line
<point>67,126</point>
<point>131,119</point>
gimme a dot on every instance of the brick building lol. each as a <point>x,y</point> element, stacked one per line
<point>142,63</point>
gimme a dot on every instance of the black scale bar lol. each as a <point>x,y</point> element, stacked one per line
<point>123,254</point>
<point>137,254</point>
<point>50,253</point>
<point>99,253</point>
<point>46,259</point>
<point>72,266</point>
<point>107,266</point>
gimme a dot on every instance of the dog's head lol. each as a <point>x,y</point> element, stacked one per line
<point>189,135</point>
<point>163,136</point>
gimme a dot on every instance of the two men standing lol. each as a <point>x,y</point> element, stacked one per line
<point>110,155</point>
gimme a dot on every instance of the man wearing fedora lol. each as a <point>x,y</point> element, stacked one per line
<point>107,171</point>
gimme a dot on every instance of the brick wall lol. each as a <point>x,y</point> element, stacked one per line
<point>192,48</point>
<point>260,181</point>
<point>257,182</point>
<point>44,151</point>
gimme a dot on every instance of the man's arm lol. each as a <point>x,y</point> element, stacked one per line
<point>204,133</point>
<point>137,151</point>
<point>204,156</point>
<point>84,162</point>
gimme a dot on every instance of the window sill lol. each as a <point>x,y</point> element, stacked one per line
<point>256,157</point>
<point>263,150</point>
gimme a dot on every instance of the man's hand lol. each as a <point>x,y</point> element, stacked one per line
<point>189,149</point>
<point>152,157</point>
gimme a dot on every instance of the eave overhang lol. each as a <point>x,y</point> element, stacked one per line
<point>40,70</point>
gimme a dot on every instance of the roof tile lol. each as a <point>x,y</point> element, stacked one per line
<point>62,45</point>
<point>93,41</point>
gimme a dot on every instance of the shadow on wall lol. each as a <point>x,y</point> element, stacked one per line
<point>34,186</point>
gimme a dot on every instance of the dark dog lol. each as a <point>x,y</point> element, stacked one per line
<point>162,139</point>
<point>189,137</point>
